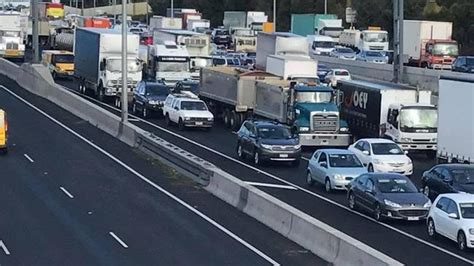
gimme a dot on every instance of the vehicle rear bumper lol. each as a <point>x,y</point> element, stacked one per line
<point>318,139</point>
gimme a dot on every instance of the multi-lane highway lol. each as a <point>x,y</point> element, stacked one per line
<point>73,195</point>
<point>404,241</point>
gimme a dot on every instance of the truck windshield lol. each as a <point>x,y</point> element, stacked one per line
<point>332,31</point>
<point>324,44</point>
<point>63,59</point>
<point>172,66</point>
<point>115,65</point>
<point>375,36</point>
<point>314,97</point>
<point>418,118</point>
<point>446,49</point>
<point>10,33</point>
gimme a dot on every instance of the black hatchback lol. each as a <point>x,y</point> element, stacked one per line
<point>448,178</point>
<point>149,97</point>
<point>268,141</point>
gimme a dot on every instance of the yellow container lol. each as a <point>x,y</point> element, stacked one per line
<point>3,130</point>
<point>267,27</point>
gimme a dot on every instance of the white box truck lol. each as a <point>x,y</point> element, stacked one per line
<point>169,62</point>
<point>293,68</point>
<point>12,35</point>
<point>372,39</point>
<point>160,22</point>
<point>279,43</point>
<point>456,120</point>
<point>98,61</point>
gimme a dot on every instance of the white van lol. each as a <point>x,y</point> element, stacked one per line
<point>320,44</point>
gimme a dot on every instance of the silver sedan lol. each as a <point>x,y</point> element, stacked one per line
<point>335,168</point>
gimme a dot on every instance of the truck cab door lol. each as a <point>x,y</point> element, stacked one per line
<point>391,126</point>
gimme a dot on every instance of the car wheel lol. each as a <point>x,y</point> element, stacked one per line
<point>352,203</point>
<point>370,169</point>
<point>167,120</point>
<point>309,179</point>
<point>327,185</point>
<point>431,228</point>
<point>377,213</point>
<point>181,124</point>
<point>461,241</point>
<point>426,191</point>
<point>240,151</point>
<point>256,158</point>
<point>55,76</point>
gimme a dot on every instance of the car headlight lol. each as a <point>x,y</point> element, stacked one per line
<point>405,140</point>
<point>377,161</point>
<point>210,118</point>
<point>338,177</point>
<point>317,52</point>
<point>409,162</point>
<point>471,231</point>
<point>297,147</point>
<point>427,204</point>
<point>344,129</point>
<point>187,118</point>
<point>153,102</point>
<point>304,129</point>
<point>265,146</point>
<point>391,204</point>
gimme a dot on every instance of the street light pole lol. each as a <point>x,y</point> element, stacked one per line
<point>274,15</point>
<point>124,64</point>
<point>172,8</point>
<point>398,40</point>
<point>34,30</point>
<point>325,6</point>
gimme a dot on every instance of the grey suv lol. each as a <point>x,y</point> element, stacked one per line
<point>267,141</point>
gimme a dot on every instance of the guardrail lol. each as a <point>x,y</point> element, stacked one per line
<point>312,234</point>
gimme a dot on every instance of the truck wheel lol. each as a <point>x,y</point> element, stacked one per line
<point>181,124</point>
<point>234,120</point>
<point>100,93</point>
<point>227,118</point>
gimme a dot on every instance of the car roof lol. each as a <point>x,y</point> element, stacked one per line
<point>459,197</point>
<point>386,175</point>
<point>454,166</point>
<point>265,123</point>
<point>336,151</point>
<point>377,140</point>
<point>339,69</point>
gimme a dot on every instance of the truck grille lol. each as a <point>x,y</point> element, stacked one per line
<point>325,122</point>
<point>12,45</point>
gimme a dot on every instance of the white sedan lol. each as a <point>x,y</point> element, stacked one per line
<point>452,215</point>
<point>334,75</point>
<point>383,156</point>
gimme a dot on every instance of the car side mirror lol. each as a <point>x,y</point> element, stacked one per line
<point>366,152</point>
<point>453,216</point>
<point>176,108</point>
<point>323,164</point>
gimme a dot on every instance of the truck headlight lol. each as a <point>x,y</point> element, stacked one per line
<point>344,129</point>
<point>427,204</point>
<point>304,129</point>
<point>434,140</point>
<point>338,177</point>
<point>405,140</point>
<point>391,204</point>
<point>265,146</point>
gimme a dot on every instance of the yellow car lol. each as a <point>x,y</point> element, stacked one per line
<point>59,63</point>
<point>3,131</point>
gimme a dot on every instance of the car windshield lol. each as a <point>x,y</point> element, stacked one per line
<point>193,105</point>
<point>344,50</point>
<point>467,210</point>
<point>219,61</point>
<point>396,185</point>
<point>61,59</point>
<point>115,65</point>
<point>314,97</point>
<point>222,32</point>
<point>173,66</point>
<point>344,160</point>
<point>470,61</point>
<point>374,54</point>
<point>386,149</point>
<point>341,73</point>
<point>156,90</point>
<point>446,49</point>
<point>324,44</point>
<point>419,118</point>
<point>463,176</point>
<point>273,132</point>
<point>375,37</point>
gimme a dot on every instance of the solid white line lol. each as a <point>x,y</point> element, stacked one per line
<point>28,158</point>
<point>67,192</point>
<point>270,185</point>
<point>4,247</point>
<point>118,240</point>
<point>296,186</point>
<point>167,193</point>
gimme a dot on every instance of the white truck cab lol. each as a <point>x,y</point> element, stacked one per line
<point>169,62</point>
<point>320,44</point>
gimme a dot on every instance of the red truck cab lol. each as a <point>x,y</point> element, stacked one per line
<point>438,54</point>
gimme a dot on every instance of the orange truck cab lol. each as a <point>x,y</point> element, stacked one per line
<point>3,131</point>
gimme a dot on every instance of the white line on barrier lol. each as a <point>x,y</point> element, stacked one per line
<point>28,158</point>
<point>4,247</point>
<point>67,192</point>
<point>291,184</point>
<point>148,181</point>
<point>118,239</point>
<point>270,185</point>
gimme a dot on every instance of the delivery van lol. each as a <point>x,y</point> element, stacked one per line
<point>3,131</point>
<point>59,63</point>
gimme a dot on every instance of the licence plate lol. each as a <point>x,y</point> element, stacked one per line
<point>413,218</point>
<point>198,123</point>
<point>283,155</point>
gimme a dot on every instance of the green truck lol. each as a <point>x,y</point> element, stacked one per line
<point>307,24</point>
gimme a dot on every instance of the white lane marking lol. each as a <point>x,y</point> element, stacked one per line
<point>294,185</point>
<point>118,239</point>
<point>270,185</point>
<point>148,181</point>
<point>67,192</point>
<point>28,158</point>
<point>4,247</point>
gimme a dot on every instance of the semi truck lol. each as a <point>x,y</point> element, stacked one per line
<point>243,40</point>
<point>169,62</point>
<point>293,68</point>
<point>371,39</point>
<point>234,19</point>
<point>12,34</point>
<point>381,109</point>
<point>308,109</point>
<point>429,44</point>
<point>230,92</point>
<point>279,43</point>
<point>312,24</point>
<point>98,61</point>
<point>456,120</point>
